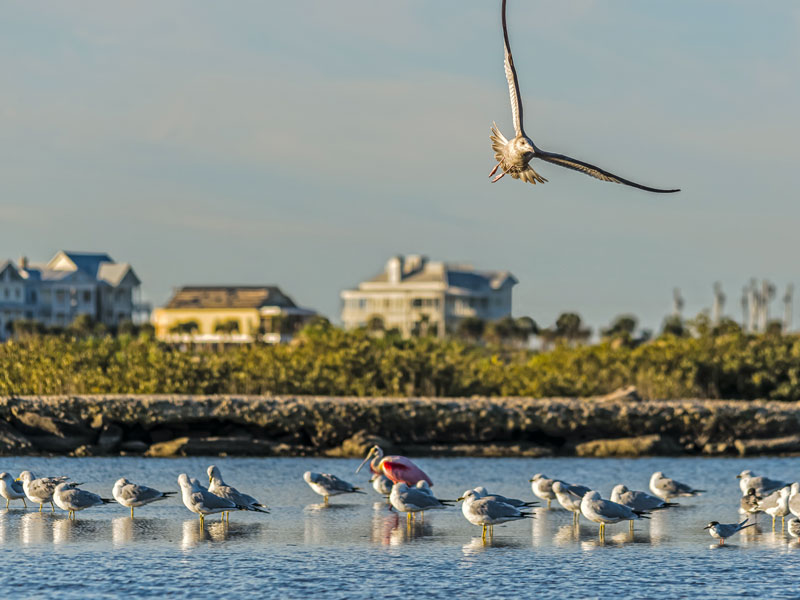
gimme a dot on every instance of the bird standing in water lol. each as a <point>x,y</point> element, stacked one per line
<point>513,156</point>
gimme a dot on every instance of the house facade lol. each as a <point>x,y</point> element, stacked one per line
<point>415,295</point>
<point>229,314</point>
<point>69,285</point>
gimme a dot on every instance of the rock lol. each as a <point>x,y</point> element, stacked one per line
<point>358,445</point>
<point>134,447</point>
<point>110,438</point>
<point>82,451</point>
<point>167,449</point>
<point>626,394</point>
<point>54,435</point>
<point>12,442</point>
<point>782,445</point>
<point>490,450</point>
<point>161,435</point>
<point>644,445</point>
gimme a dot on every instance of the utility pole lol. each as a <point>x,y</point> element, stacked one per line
<point>719,302</point>
<point>677,302</point>
<point>787,308</point>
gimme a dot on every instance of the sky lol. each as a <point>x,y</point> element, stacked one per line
<point>303,143</point>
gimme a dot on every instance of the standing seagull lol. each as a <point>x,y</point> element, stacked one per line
<point>132,495</point>
<point>666,488</point>
<point>11,490</point>
<point>327,485</point>
<point>513,156</point>
<point>223,490</point>
<point>68,497</point>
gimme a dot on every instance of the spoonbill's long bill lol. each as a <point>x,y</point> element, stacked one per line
<point>398,469</point>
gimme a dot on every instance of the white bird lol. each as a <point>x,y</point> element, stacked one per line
<point>793,527</point>
<point>542,487</point>
<point>776,505</point>
<point>723,531</point>
<point>482,492</point>
<point>41,489</point>
<point>638,500</point>
<point>381,484</point>
<point>513,157</point>
<point>68,497</point>
<point>794,499</point>
<point>570,497</point>
<point>11,490</point>
<point>412,500</point>
<point>749,502</point>
<point>199,500</point>
<point>763,486</point>
<point>327,485</point>
<point>486,512</point>
<point>131,495</point>
<point>594,508</point>
<point>666,488</point>
<point>219,488</point>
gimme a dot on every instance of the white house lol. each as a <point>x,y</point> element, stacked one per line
<point>70,284</point>
<point>414,294</point>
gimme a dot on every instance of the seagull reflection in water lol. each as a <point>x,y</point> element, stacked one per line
<point>34,527</point>
<point>477,545</point>
<point>68,530</point>
<point>125,530</point>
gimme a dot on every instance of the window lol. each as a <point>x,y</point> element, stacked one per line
<point>362,303</point>
<point>416,302</point>
<point>33,296</point>
<point>87,296</point>
<point>5,293</point>
<point>60,296</point>
<point>17,293</point>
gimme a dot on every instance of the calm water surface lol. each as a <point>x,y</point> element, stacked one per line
<point>357,548</point>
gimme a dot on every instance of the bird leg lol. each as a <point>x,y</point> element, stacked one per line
<point>222,516</point>
<point>483,535</point>
<point>131,512</point>
<point>493,171</point>
<point>227,516</point>
<point>499,177</point>
<point>631,522</point>
<point>40,507</point>
<point>7,501</point>
<point>326,500</point>
<point>721,541</point>
<point>53,506</point>
<point>548,500</point>
<point>25,503</point>
<point>773,523</point>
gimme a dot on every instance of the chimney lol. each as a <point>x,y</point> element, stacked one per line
<point>394,269</point>
<point>23,263</point>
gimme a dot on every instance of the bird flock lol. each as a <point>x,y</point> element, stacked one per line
<point>407,489</point>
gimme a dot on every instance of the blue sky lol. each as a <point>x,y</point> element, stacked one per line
<point>303,143</point>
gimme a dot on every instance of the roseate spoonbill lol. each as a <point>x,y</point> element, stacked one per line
<point>777,505</point>
<point>223,490</point>
<point>542,487</point>
<point>570,496</point>
<point>199,500</point>
<point>594,508</point>
<point>11,490</point>
<point>41,489</point>
<point>763,486</point>
<point>486,512</point>
<point>397,468</point>
<point>666,488</point>
<point>482,492</point>
<point>68,497</point>
<point>327,485</point>
<point>723,531</point>
<point>513,157</point>
<point>132,495</point>
<point>412,500</point>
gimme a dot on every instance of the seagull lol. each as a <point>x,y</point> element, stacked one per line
<point>132,495</point>
<point>570,496</point>
<point>794,499</point>
<point>794,528</point>
<point>763,486</point>
<point>749,502</point>
<point>327,485</point>
<point>594,508</point>
<point>483,511</point>
<point>199,500</point>
<point>40,490</point>
<point>722,531</point>
<point>482,492</point>
<point>220,488</point>
<point>68,497</point>
<point>11,490</point>
<point>666,488</point>
<point>423,487</point>
<point>542,487</point>
<point>638,500</point>
<point>412,500</point>
<point>776,505</point>
<point>513,157</point>
<point>381,484</point>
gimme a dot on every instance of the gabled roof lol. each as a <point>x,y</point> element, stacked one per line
<point>225,296</point>
<point>451,275</point>
<point>6,265</point>
<point>88,262</point>
<point>115,273</point>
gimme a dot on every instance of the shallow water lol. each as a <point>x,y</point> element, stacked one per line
<point>357,548</point>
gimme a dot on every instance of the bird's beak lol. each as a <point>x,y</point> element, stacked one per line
<point>77,484</point>
<point>707,527</point>
<point>459,499</point>
<point>18,479</point>
<point>530,480</point>
<point>738,477</point>
<point>369,455</point>
<point>210,479</point>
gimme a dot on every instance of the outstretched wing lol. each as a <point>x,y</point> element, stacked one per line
<point>513,83</point>
<point>593,171</point>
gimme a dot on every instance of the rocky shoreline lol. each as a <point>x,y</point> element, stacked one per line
<point>620,424</point>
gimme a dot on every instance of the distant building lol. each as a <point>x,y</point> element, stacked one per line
<point>229,314</point>
<point>416,295</point>
<point>71,284</point>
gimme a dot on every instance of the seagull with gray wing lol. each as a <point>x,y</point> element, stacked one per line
<point>514,156</point>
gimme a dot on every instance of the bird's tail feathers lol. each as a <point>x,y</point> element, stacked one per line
<point>743,526</point>
<point>530,176</point>
<point>108,500</point>
<point>642,514</point>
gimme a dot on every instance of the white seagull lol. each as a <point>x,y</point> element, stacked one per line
<point>513,157</point>
<point>486,512</point>
<point>68,497</point>
<point>40,489</point>
<point>596,509</point>
<point>666,488</point>
<point>11,490</point>
<point>763,486</point>
<point>722,531</point>
<point>131,495</point>
<point>327,485</point>
<point>223,490</point>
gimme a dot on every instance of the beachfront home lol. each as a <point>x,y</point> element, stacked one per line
<point>71,284</point>
<point>229,314</point>
<point>415,295</point>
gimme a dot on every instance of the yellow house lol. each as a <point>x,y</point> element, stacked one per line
<point>229,314</point>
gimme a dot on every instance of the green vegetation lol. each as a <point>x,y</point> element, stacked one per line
<point>696,361</point>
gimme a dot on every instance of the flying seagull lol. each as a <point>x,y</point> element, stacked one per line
<point>513,157</point>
